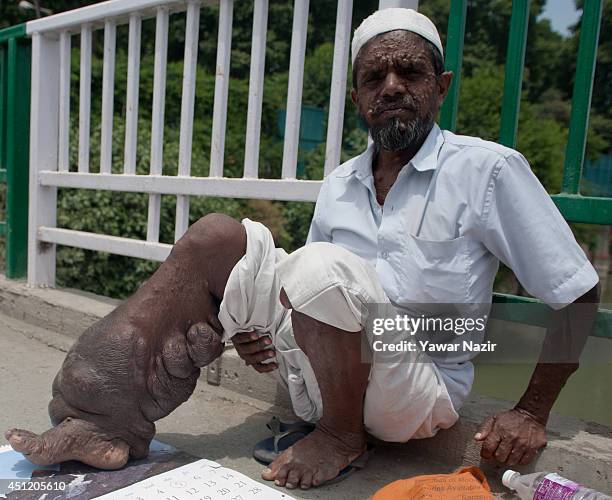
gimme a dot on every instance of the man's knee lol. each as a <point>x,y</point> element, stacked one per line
<point>213,234</point>
<point>330,284</point>
<point>214,244</point>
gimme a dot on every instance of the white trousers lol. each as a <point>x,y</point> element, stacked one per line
<point>406,397</point>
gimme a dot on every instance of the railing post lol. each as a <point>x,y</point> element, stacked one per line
<point>454,56</point>
<point>256,81</point>
<point>513,80</point>
<point>3,117</point>
<point>14,139</point>
<point>294,91</point>
<point>581,98</point>
<point>17,134</point>
<point>43,156</point>
<point>335,116</point>
<point>224,49</point>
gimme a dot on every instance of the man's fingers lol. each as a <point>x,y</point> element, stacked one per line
<point>258,357</point>
<point>268,367</point>
<point>490,444</point>
<point>503,450</point>
<point>485,429</point>
<point>244,337</point>
<point>254,347</point>
<point>516,454</point>
<point>528,457</point>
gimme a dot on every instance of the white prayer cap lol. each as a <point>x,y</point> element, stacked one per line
<point>395,18</point>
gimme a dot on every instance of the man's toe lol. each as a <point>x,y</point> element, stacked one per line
<point>306,481</point>
<point>319,477</point>
<point>293,478</point>
<point>267,474</point>
<point>281,475</point>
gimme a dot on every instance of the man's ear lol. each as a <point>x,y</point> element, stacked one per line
<point>444,83</point>
<point>354,97</point>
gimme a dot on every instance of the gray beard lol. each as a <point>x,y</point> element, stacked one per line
<point>396,135</point>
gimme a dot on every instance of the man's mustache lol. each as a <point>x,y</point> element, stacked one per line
<point>396,104</point>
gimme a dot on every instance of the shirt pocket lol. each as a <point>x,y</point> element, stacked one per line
<point>434,271</point>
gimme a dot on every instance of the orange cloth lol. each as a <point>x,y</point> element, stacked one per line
<point>466,483</point>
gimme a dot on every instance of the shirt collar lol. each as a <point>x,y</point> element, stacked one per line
<point>425,159</point>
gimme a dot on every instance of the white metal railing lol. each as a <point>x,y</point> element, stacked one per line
<point>50,119</point>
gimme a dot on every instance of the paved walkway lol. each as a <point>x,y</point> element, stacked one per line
<point>215,423</point>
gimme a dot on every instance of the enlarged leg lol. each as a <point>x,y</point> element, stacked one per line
<point>339,437</point>
<point>143,360</point>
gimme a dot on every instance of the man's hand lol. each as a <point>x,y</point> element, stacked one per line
<point>511,437</point>
<point>255,349</point>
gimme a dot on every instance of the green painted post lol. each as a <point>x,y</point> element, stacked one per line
<point>17,155</point>
<point>584,209</point>
<point>513,79</point>
<point>17,132</point>
<point>581,98</point>
<point>3,53</point>
<point>454,57</point>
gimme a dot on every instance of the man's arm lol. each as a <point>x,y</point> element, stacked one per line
<point>516,435</point>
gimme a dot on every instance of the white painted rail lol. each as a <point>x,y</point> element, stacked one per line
<point>256,81</point>
<point>50,139</point>
<point>85,99</point>
<point>294,92</point>
<point>192,25</point>
<point>131,103</point>
<point>342,44</point>
<point>157,125</point>
<point>108,90</point>
<point>64,103</point>
<point>224,47</point>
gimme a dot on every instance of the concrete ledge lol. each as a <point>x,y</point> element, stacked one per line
<point>68,312</point>
<point>577,449</point>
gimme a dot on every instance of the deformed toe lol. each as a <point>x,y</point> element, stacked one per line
<point>22,441</point>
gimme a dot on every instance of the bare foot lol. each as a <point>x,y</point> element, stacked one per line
<point>73,439</point>
<point>317,458</point>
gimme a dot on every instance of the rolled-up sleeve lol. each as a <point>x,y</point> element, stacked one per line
<point>522,227</point>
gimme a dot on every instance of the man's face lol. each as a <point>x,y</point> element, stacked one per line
<point>397,91</point>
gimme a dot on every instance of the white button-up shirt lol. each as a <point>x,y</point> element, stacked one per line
<point>456,209</point>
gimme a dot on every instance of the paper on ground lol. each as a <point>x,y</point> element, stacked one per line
<point>203,479</point>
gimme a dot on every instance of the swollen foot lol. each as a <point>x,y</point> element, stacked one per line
<point>317,458</point>
<point>73,439</point>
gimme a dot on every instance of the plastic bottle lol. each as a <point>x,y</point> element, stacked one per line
<point>548,486</point>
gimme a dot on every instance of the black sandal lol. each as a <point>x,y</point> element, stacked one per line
<point>284,435</point>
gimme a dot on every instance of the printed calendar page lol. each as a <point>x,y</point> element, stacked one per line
<point>201,480</point>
